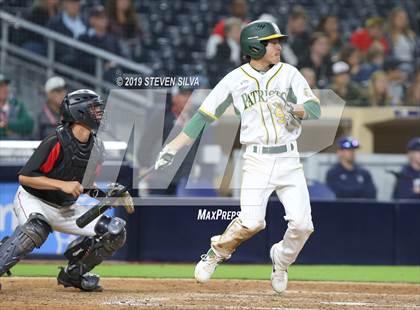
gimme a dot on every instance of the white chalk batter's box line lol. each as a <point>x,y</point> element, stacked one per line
<point>216,215</point>
<point>173,302</point>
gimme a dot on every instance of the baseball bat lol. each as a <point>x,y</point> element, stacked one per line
<point>104,205</point>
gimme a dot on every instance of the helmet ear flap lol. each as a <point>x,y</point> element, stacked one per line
<point>258,51</point>
<point>67,117</point>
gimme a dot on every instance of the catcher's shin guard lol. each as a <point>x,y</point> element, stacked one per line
<point>23,240</point>
<point>236,233</point>
<point>84,253</point>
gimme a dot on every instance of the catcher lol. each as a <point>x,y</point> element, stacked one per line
<point>50,184</point>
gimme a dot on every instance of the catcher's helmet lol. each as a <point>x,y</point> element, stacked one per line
<point>254,34</point>
<point>83,106</point>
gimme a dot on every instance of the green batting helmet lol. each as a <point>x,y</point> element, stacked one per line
<point>254,34</point>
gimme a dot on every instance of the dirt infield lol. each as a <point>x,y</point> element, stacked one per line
<point>43,293</point>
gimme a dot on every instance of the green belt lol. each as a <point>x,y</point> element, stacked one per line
<point>273,149</point>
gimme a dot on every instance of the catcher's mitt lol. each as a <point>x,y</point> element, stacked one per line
<point>125,200</point>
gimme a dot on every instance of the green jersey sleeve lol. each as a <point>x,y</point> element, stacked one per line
<point>196,125</point>
<point>304,95</point>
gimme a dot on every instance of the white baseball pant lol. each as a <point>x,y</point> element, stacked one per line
<point>283,173</point>
<point>61,220</point>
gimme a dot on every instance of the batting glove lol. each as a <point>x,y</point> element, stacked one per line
<point>165,158</point>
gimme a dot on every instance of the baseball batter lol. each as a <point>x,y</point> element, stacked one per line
<point>271,98</point>
<point>50,185</point>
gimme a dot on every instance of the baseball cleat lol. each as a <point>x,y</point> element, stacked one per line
<point>206,266</point>
<point>87,282</point>
<point>278,276</point>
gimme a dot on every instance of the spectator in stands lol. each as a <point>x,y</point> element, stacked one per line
<point>124,25</point>
<point>49,116</point>
<point>413,92</point>
<point>352,57</point>
<point>374,62</point>
<point>298,36</point>
<point>362,39</point>
<point>408,179</point>
<point>396,79</point>
<point>227,55</point>
<point>330,26</point>
<point>319,58</point>
<point>69,23</point>
<point>40,13</point>
<point>378,94</point>
<point>402,39</point>
<point>98,36</point>
<point>309,76</point>
<point>347,179</point>
<point>15,121</point>
<point>238,9</point>
<point>344,87</point>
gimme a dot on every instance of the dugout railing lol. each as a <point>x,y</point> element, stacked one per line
<point>10,23</point>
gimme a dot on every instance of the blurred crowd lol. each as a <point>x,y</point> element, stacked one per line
<point>375,65</point>
<point>112,27</point>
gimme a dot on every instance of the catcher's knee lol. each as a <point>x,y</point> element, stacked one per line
<point>23,240</point>
<point>37,229</point>
<point>110,236</point>
<point>112,232</point>
<point>236,233</point>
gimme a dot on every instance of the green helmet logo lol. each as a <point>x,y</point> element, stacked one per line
<point>254,34</point>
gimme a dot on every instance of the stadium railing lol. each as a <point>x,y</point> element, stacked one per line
<point>9,21</point>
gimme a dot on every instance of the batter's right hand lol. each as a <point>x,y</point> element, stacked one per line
<point>73,188</point>
<point>165,158</point>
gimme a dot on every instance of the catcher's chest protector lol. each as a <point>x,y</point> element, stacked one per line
<point>76,156</point>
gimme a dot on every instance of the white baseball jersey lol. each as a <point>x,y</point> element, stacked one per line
<point>262,120</point>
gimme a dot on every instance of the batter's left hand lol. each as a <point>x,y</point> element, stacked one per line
<point>165,158</point>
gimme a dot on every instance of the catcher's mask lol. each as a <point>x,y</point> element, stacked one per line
<point>83,106</point>
<point>255,36</point>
